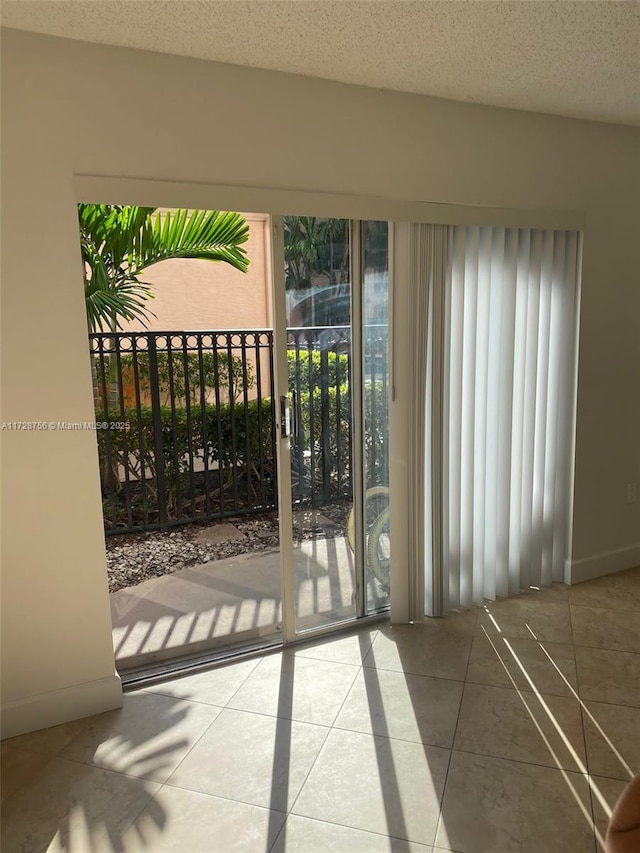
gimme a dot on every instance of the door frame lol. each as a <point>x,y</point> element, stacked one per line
<point>112,189</point>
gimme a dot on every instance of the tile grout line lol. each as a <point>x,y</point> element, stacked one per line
<point>554,767</point>
<point>584,734</point>
<point>198,739</point>
<point>420,674</point>
<point>330,728</point>
<point>455,731</point>
<point>218,797</point>
<point>607,648</point>
<point>610,609</point>
<point>289,811</point>
<point>167,783</point>
<point>363,831</point>
<point>74,761</point>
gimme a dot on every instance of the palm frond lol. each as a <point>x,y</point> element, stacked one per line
<point>108,303</point>
<point>205,235</point>
<point>118,242</point>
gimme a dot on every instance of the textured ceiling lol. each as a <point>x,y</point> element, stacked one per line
<point>579,59</point>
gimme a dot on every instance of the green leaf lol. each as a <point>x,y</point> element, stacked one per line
<point>118,242</point>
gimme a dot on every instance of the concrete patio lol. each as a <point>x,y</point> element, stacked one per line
<point>230,600</point>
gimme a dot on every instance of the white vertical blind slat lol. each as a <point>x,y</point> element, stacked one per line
<point>446,427</point>
<point>428,473</point>
<point>480,412</point>
<point>429,271</point>
<point>506,271</point>
<point>468,425</point>
<point>540,552</point>
<point>454,382</point>
<point>418,332</point>
<point>528,573</point>
<point>492,483</point>
<point>440,273</point>
<point>549,509</point>
<point>566,394</point>
<point>518,411</point>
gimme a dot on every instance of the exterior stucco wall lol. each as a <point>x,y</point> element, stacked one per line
<point>192,295</point>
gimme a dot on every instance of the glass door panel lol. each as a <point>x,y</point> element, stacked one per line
<point>375,408</point>
<point>319,361</point>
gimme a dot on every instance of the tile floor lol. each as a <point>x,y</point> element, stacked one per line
<point>512,728</point>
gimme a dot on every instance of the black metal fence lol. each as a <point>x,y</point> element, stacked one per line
<point>189,429</point>
<point>319,361</point>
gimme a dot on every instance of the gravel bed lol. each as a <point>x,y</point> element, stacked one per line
<point>136,557</point>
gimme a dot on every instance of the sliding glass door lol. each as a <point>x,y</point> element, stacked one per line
<point>319,344</point>
<point>333,385</point>
<point>257,444</point>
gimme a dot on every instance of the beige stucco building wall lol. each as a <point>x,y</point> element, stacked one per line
<point>193,295</point>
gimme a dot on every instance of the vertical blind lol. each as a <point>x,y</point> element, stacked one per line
<point>429,267</point>
<point>502,421</point>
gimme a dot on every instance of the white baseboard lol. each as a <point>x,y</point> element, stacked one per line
<point>60,706</point>
<point>604,564</point>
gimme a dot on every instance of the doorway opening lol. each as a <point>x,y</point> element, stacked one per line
<point>189,408</point>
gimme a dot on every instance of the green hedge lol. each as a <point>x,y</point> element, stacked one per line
<point>308,365</point>
<point>235,438</point>
<point>230,433</point>
<point>337,419</point>
<point>238,440</point>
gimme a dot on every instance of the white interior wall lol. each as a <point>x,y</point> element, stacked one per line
<point>70,108</point>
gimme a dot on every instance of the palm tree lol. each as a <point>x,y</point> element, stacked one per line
<point>304,239</point>
<point>120,242</point>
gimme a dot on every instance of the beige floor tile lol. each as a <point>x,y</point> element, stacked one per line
<point>376,784</point>
<point>555,591</point>
<point>608,676</point>
<point>252,758</point>
<point>48,742</point>
<point>527,617</point>
<point>496,806</point>
<point>72,808</point>
<point>606,629</point>
<point>18,767</point>
<point>439,647</point>
<point>284,685</point>
<point>349,648</point>
<point>303,835</point>
<point>611,729</point>
<point>604,795</point>
<point>456,620</point>
<point>409,707</point>
<point>493,660</point>
<point>214,686</point>
<point>382,768</point>
<point>495,721</point>
<point>620,591</point>
<point>200,823</point>
<point>147,737</point>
